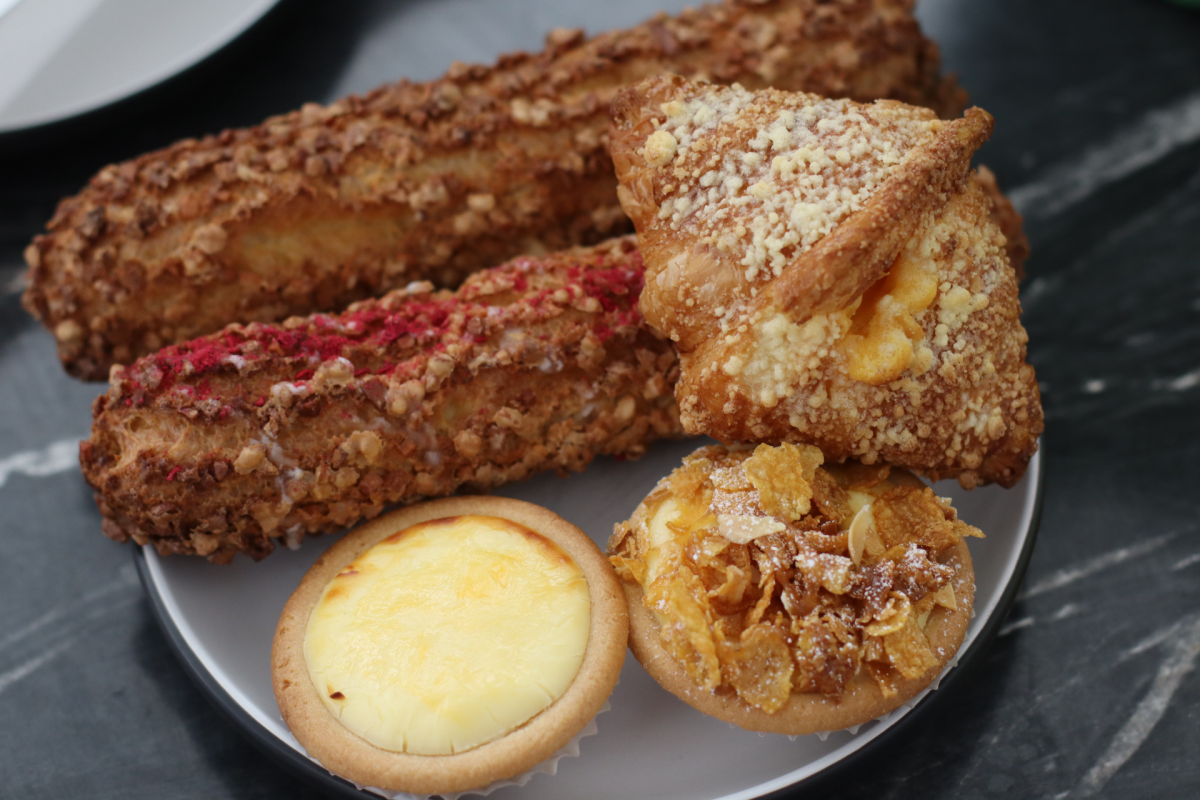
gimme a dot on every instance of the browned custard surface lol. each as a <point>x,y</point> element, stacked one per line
<point>770,574</point>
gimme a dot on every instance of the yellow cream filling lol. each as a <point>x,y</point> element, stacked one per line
<point>448,635</point>
<point>885,338</point>
<point>660,537</point>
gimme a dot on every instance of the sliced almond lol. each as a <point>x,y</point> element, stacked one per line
<point>945,597</point>
<point>860,530</point>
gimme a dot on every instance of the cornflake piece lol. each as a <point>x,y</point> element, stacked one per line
<point>784,478</point>
<point>826,654</point>
<point>892,618</point>
<point>832,572</point>
<point>760,667</point>
<point>908,649</point>
<point>687,635</point>
<point>832,501</point>
<point>908,514</point>
<point>735,588</point>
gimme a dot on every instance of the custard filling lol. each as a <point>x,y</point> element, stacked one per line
<point>448,635</point>
<point>885,338</point>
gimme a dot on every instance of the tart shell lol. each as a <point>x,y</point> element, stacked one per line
<point>861,701</point>
<point>346,754</point>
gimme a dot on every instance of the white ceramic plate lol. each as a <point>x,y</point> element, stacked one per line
<point>60,58</point>
<point>222,620</point>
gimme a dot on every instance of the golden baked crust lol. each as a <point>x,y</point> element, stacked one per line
<point>1007,219</point>
<point>327,205</point>
<point>263,433</point>
<point>786,597</point>
<point>831,274</point>
<point>345,754</point>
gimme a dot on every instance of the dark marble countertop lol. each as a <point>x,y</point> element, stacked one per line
<point>1089,689</point>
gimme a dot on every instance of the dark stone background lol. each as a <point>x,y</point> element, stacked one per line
<point>1088,691</point>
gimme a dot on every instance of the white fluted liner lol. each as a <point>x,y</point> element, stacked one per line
<point>549,767</point>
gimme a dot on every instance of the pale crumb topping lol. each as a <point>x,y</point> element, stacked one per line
<point>784,168</point>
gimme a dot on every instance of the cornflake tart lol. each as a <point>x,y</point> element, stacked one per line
<point>449,645</point>
<point>785,596</point>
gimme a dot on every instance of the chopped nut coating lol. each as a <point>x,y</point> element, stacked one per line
<point>261,432</point>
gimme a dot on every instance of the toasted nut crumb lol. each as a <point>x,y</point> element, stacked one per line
<point>482,203</point>
<point>402,397</point>
<point>68,332</point>
<point>248,460</point>
<point>625,408</point>
<point>366,444</point>
<point>345,478</point>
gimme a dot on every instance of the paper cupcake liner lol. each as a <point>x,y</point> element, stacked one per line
<point>549,767</point>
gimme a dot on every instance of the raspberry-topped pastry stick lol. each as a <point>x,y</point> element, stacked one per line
<point>261,432</point>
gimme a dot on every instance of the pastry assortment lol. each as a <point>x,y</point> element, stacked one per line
<point>784,595</point>
<point>303,323</point>
<point>449,644</point>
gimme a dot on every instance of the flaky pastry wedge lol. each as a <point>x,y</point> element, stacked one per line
<point>831,274</point>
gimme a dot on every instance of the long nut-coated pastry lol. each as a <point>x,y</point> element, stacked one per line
<point>327,205</point>
<point>831,274</point>
<point>224,444</point>
<point>787,596</point>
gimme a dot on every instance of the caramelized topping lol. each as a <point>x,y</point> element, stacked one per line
<point>770,574</point>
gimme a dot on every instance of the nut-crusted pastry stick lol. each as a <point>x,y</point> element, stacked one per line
<point>832,275</point>
<point>223,444</point>
<point>318,208</point>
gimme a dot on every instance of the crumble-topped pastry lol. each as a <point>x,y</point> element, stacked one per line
<point>832,274</point>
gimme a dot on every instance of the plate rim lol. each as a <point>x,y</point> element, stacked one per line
<point>284,755</point>
<point>254,12</point>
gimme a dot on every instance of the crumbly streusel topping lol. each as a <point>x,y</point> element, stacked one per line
<point>784,168</point>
